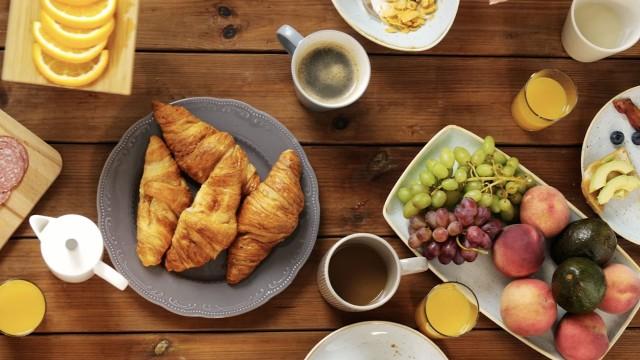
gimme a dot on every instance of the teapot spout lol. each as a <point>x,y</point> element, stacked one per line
<point>38,223</point>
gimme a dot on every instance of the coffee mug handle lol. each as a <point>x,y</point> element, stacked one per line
<point>414,265</point>
<point>110,275</point>
<point>289,38</point>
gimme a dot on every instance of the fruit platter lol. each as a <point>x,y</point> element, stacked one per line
<point>483,219</point>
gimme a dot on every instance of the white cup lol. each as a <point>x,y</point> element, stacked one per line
<point>396,268</point>
<point>624,14</point>
<point>298,46</point>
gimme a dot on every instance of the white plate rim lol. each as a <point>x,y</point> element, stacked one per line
<point>381,42</point>
<point>598,117</point>
<point>337,332</point>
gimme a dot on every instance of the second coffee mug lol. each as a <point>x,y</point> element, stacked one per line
<point>330,69</point>
<point>362,272</point>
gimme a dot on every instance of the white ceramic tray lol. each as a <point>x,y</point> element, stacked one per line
<point>482,276</point>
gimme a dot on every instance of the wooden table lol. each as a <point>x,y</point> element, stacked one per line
<point>228,49</point>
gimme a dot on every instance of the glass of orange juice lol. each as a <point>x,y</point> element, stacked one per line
<point>449,310</point>
<point>22,307</point>
<point>548,96</point>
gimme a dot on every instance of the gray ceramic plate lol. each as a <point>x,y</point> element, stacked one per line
<point>202,292</point>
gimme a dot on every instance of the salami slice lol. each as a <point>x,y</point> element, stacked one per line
<point>14,161</point>
<point>4,196</point>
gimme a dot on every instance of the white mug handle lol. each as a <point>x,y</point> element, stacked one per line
<point>110,275</point>
<point>414,265</point>
<point>289,37</point>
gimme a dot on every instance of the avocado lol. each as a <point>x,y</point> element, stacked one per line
<point>618,186</point>
<point>599,179</point>
<point>578,285</point>
<point>589,238</point>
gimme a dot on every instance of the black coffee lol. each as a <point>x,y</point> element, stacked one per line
<point>327,73</point>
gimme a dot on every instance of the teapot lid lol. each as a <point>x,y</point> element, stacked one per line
<point>71,244</point>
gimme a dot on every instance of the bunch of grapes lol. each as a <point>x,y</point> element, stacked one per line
<point>487,176</point>
<point>456,236</point>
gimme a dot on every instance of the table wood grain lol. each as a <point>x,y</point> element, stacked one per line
<point>227,49</point>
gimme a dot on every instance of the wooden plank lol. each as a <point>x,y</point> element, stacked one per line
<point>354,181</point>
<point>479,344</point>
<point>479,29</point>
<point>19,65</point>
<point>95,306</point>
<point>409,99</point>
<point>44,164</point>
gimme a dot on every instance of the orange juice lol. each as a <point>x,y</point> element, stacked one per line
<point>548,96</point>
<point>449,310</point>
<point>22,307</point>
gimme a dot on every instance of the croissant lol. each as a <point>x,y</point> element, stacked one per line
<point>209,226</point>
<point>163,197</point>
<point>267,216</point>
<point>198,146</point>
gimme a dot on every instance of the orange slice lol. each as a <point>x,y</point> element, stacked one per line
<point>75,38</point>
<point>90,16</point>
<point>66,74</point>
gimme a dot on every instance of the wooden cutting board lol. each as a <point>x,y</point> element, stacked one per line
<point>45,164</point>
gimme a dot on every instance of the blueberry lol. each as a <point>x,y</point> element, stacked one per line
<point>635,138</point>
<point>617,137</point>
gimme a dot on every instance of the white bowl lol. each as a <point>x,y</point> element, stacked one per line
<point>621,215</point>
<point>357,14</point>
<point>481,275</point>
<point>373,340</point>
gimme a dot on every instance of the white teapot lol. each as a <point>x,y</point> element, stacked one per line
<point>72,248</point>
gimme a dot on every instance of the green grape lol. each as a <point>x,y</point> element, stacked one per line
<point>476,195</point>
<point>431,164</point>
<point>447,158</point>
<point>453,198</point>
<point>522,186</point>
<point>495,204</point>
<point>418,188</point>
<point>502,193</point>
<point>438,199</point>
<point>516,198</point>
<point>409,210</point>
<point>404,194</point>
<point>421,201</point>
<point>440,171</point>
<point>513,162</point>
<point>512,187</point>
<point>449,184</point>
<point>486,200</point>
<point>499,158</point>
<point>489,145</point>
<point>461,174</point>
<point>472,185</point>
<point>484,170</point>
<point>427,178</point>
<point>530,181</point>
<point>462,155</point>
<point>508,170</point>
<point>505,205</point>
<point>478,157</point>
<point>508,216</point>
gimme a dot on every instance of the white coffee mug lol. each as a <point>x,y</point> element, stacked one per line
<point>298,46</point>
<point>615,18</point>
<point>396,268</point>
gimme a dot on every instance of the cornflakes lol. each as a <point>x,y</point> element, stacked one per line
<point>407,15</point>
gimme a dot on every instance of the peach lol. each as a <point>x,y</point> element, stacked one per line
<point>527,307</point>
<point>623,289</point>
<point>519,250</point>
<point>582,337</point>
<point>545,208</point>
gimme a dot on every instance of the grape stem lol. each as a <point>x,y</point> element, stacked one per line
<point>480,251</point>
<point>492,178</point>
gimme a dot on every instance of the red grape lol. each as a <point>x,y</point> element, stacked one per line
<point>449,248</point>
<point>431,250</point>
<point>442,217</point>
<point>470,205</point>
<point>458,259</point>
<point>469,255</point>
<point>443,259</point>
<point>440,234</point>
<point>474,236</point>
<point>452,217</point>
<point>417,222</point>
<point>414,242</point>
<point>482,217</point>
<point>492,228</point>
<point>424,234</point>
<point>430,218</point>
<point>454,228</point>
